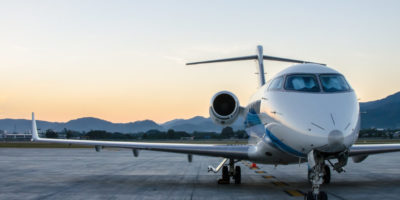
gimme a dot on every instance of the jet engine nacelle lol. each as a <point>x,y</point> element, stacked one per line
<point>224,108</point>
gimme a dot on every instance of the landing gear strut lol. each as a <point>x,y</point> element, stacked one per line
<point>233,171</point>
<point>326,177</point>
<point>327,174</point>
<point>317,167</point>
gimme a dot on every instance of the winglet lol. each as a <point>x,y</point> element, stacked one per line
<point>35,135</point>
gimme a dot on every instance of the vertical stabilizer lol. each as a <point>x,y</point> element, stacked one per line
<point>260,59</point>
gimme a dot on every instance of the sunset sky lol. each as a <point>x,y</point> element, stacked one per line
<point>124,60</point>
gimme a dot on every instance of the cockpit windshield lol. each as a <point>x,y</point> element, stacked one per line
<point>333,83</point>
<point>302,82</point>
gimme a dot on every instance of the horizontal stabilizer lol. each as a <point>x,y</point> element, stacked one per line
<point>225,60</point>
<point>288,60</point>
<point>259,57</point>
<point>272,58</point>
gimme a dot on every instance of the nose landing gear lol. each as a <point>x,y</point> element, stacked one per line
<point>326,177</point>
<point>316,175</point>
<point>321,196</point>
<point>327,174</point>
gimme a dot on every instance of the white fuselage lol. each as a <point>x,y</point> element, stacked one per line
<point>285,125</point>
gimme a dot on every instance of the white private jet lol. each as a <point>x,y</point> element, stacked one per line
<point>306,113</point>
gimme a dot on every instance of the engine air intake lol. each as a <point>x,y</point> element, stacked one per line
<point>224,108</point>
<point>224,104</point>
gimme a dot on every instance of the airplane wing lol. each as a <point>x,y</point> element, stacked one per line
<point>226,151</point>
<point>364,150</point>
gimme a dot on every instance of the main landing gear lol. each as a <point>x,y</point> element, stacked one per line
<point>317,166</point>
<point>230,171</point>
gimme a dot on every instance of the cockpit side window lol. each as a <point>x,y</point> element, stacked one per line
<point>276,84</point>
<point>302,83</point>
<point>333,83</point>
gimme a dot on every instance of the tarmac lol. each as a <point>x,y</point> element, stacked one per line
<point>69,173</point>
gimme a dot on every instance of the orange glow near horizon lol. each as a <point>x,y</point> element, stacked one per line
<point>125,61</point>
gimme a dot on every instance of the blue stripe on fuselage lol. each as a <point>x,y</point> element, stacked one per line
<point>252,119</point>
<point>283,146</point>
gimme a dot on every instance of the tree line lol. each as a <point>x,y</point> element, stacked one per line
<point>171,134</point>
<point>379,133</point>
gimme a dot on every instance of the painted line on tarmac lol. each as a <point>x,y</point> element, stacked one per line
<point>289,191</point>
<point>268,177</point>
<point>280,183</point>
<point>254,168</point>
<point>293,192</point>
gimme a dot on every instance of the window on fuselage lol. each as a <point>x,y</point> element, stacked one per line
<point>302,83</point>
<point>333,83</point>
<point>276,84</point>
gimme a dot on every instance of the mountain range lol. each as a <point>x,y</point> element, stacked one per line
<point>86,124</point>
<point>383,113</point>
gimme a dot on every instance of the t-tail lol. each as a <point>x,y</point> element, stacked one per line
<point>259,57</point>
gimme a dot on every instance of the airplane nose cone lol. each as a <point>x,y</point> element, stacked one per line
<point>335,138</point>
<point>335,142</point>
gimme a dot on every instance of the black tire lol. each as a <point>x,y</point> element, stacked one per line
<point>238,175</point>
<point>309,176</point>
<point>322,196</point>
<point>225,173</point>
<point>309,196</point>
<point>327,176</point>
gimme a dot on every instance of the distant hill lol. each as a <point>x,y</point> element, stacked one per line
<point>383,113</point>
<point>24,126</point>
<point>81,124</point>
<point>89,123</point>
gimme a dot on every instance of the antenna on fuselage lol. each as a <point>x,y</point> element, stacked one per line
<point>260,57</point>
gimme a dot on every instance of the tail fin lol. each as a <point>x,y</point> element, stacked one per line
<point>35,135</point>
<point>260,57</point>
